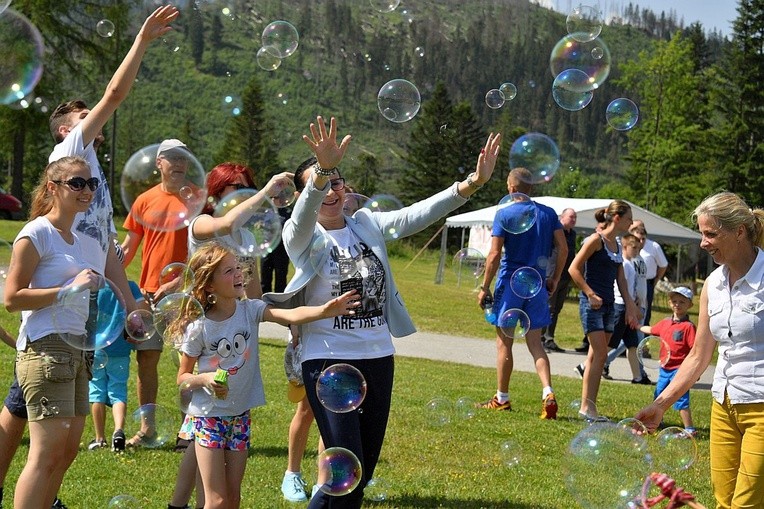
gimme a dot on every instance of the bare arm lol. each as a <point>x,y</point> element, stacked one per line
<point>491,266</point>
<point>7,338</point>
<point>689,372</point>
<point>576,270</point>
<point>342,305</point>
<point>189,380</point>
<point>631,308</point>
<point>120,84</point>
<point>561,247</point>
<point>130,246</point>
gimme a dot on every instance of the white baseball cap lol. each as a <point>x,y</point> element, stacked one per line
<point>169,145</point>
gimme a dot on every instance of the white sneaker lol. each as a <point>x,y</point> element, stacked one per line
<point>293,487</point>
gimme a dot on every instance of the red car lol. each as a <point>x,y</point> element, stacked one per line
<point>10,206</point>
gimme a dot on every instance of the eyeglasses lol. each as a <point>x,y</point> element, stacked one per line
<point>239,186</point>
<point>79,183</point>
<point>337,184</point>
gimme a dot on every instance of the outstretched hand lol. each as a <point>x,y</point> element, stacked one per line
<point>157,24</point>
<point>651,416</point>
<point>487,159</point>
<point>345,304</point>
<point>324,144</point>
<point>277,183</point>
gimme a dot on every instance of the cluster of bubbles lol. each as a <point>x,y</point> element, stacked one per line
<point>580,63</point>
<point>279,41</point>
<point>609,464</point>
<point>398,100</point>
<point>496,97</point>
<point>440,412</point>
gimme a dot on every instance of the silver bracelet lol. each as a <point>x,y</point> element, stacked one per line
<point>472,183</point>
<point>323,172</point>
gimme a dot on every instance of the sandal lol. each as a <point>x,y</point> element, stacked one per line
<point>140,439</point>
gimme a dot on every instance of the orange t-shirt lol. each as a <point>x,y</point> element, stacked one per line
<point>160,248</point>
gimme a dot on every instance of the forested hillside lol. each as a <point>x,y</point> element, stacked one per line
<point>696,132</point>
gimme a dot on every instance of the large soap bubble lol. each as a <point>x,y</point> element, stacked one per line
<point>280,38</point>
<point>257,232</point>
<point>584,23</point>
<point>341,388</point>
<point>182,196</point>
<point>516,213</point>
<point>537,153</point>
<point>592,58</point>
<point>570,90</point>
<point>605,466</point>
<point>622,114</point>
<point>21,64</point>
<point>398,100</point>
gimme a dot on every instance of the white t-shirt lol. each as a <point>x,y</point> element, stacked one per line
<point>59,263</point>
<point>231,345</point>
<point>634,271</point>
<point>95,227</point>
<point>350,265</point>
<point>652,254</point>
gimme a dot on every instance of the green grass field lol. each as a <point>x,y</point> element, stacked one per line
<point>456,465</point>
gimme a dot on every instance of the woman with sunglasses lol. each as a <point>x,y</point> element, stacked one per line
<point>53,375</point>
<point>355,258</point>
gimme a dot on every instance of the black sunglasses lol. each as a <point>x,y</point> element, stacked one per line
<point>239,186</point>
<point>337,184</point>
<point>79,183</point>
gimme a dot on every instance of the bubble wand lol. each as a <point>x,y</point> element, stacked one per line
<point>677,497</point>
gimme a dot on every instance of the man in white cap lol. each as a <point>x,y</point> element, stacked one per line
<point>150,221</point>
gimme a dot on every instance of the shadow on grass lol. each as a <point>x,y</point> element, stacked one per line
<point>412,500</point>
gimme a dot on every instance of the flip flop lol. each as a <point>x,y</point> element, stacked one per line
<point>140,439</point>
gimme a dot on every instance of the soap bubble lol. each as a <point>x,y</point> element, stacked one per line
<point>175,315</point>
<point>509,90</point>
<point>377,489</point>
<point>584,23</point>
<point>186,177</point>
<point>22,63</point>
<point>622,114</point>
<point>341,388</point>
<point>353,202</point>
<point>653,352</point>
<point>105,28</point>
<point>465,408</point>
<point>199,401</point>
<point>438,412</point>
<point>516,213</point>
<point>102,311</point>
<point>526,282</point>
<point>514,323</point>
<point>159,420</point>
<point>267,60</point>
<point>342,467</point>
<point>124,502</point>
<point>398,100</point>
<point>494,99</point>
<point>280,38</point>
<point>592,58</point>
<point>260,225</point>
<point>510,453</point>
<point>139,325</point>
<point>569,90</point>
<point>178,272</point>
<point>605,466</point>
<point>537,153</point>
<point>385,5</point>
<point>674,450</point>
<point>469,263</point>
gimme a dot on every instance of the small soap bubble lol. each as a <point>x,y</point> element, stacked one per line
<point>179,273</point>
<point>526,282</point>
<point>622,114</point>
<point>139,325</point>
<point>398,100</point>
<point>260,224</point>
<point>537,153</point>
<point>468,263</point>
<point>105,28</point>
<point>591,57</point>
<point>199,401</point>
<point>280,38</point>
<point>176,315</point>
<point>267,60</point>
<point>377,489</point>
<point>341,388</point>
<point>438,412</point>
<point>494,99</point>
<point>653,352</point>
<point>509,90</point>
<point>514,323</point>
<point>124,502</point>
<point>285,196</point>
<point>353,202</point>
<point>674,450</point>
<point>465,408</point>
<point>510,453</point>
<point>383,203</point>
<point>100,359</point>
<point>584,23</point>
<point>419,51</point>
<point>516,213</point>
<point>343,469</point>
<point>635,425</point>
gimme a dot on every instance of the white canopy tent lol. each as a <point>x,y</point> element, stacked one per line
<point>658,228</point>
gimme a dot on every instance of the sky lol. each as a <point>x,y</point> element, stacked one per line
<point>712,14</point>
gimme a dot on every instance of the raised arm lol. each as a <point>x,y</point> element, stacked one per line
<point>324,145</point>
<point>156,25</point>
<point>345,304</point>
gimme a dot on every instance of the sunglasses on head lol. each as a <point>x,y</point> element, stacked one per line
<point>79,183</point>
<point>337,184</point>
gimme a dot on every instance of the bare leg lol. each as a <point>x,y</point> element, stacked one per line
<point>536,347</point>
<point>148,386</point>
<point>298,434</point>
<point>595,361</point>
<point>11,433</point>
<point>118,411</point>
<point>686,418</point>
<point>98,413</point>
<point>187,475</point>
<point>504,360</point>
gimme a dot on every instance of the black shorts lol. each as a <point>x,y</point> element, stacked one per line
<point>14,401</point>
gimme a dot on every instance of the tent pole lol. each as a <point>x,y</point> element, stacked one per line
<point>442,261</point>
<point>678,263</point>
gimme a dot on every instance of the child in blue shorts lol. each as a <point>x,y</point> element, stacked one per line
<point>111,371</point>
<point>677,335</point>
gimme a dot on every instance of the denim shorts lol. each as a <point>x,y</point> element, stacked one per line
<point>54,378</point>
<point>664,379</point>
<point>14,401</point>
<point>594,320</point>
<point>230,432</point>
